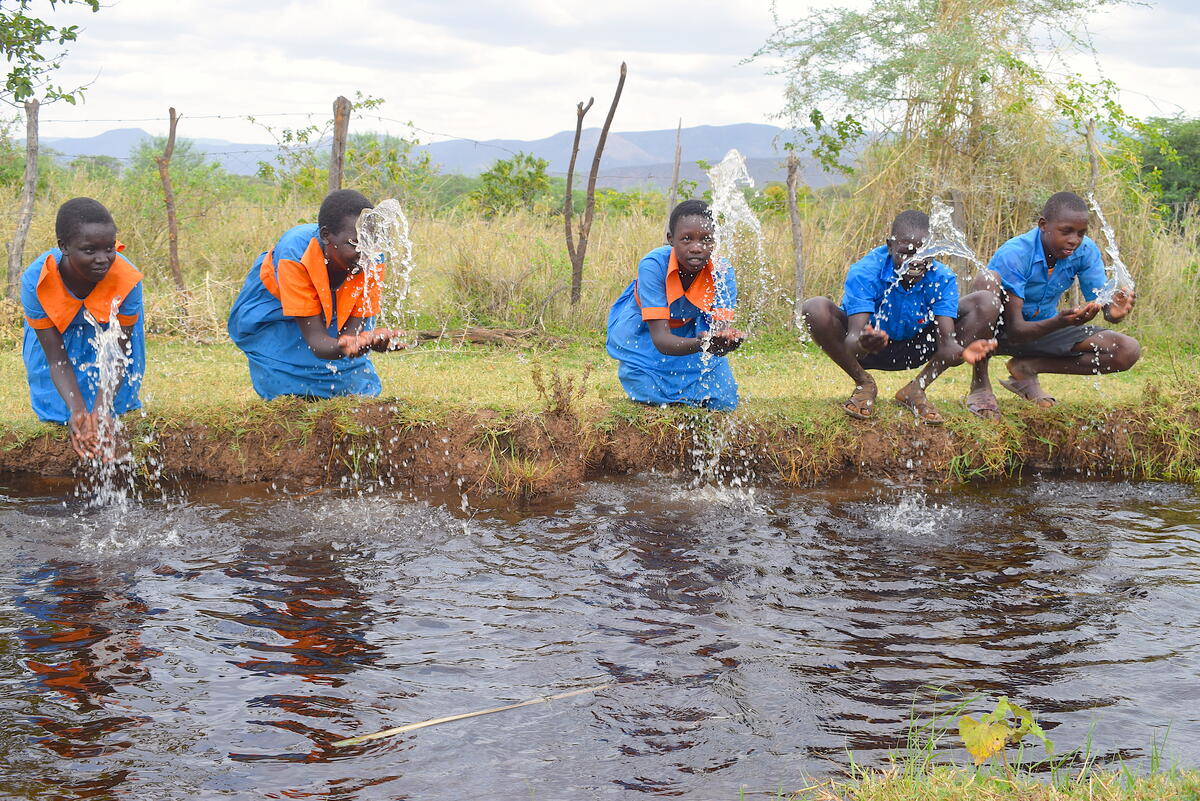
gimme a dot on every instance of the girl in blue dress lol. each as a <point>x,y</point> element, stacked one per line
<point>69,293</point>
<point>670,329</point>
<point>305,315</point>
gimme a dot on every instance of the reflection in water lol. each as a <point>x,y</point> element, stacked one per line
<point>233,638</point>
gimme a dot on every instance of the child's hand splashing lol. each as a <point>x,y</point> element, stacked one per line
<point>727,340</point>
<point>85,434</point>
<point>1080,314</point>
<point>1120,305</point>
<point>873,339</point>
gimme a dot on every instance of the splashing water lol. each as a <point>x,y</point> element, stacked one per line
<point>108,477</point>
<point>944,238</point>
<point>1119,276</point>
<point>739,241</point>
<point>383,238</point>
<point>916,515</point>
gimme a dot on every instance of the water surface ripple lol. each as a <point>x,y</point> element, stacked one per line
<point>215,647</point>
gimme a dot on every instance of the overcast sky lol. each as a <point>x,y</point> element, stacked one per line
<point>484,70</point>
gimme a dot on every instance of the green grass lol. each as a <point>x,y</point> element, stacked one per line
<point>779,378</point>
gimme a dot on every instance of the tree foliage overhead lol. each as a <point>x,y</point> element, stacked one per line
<point>25,42</point>
<point>944,69</point>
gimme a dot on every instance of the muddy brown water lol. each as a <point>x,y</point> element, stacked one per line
<point>213,645</point>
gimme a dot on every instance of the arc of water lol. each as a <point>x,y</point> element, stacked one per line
<point>384,238</point>
<point>944,239</point>
<point>1118,274</point>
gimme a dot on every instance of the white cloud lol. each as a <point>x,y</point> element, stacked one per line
<point>489,70</point>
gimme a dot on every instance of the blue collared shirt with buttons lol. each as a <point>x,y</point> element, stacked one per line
<point>873,286</point>
<point>1021,263</point>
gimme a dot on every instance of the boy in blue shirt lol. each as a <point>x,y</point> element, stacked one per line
<point>1035,269</point>
<point>897,316</point>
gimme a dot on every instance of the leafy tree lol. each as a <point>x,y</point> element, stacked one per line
<point>946,71</point>
<point>515,183</point>
<point>25,41</point>
<point>382,166</point>
<point>1179,177</point>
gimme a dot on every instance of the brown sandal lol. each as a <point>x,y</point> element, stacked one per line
<point>861,403</point>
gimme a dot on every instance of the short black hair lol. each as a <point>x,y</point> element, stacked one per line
<point>78,212</point>
<point>339,205</point>
<point>911,224</point>
<point>688,208</point>
<point>1061,204</point>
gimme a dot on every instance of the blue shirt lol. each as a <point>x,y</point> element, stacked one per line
<point>873,286</point>
<point>1021,263</point>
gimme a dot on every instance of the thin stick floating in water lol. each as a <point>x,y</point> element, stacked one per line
<point>379,735</point>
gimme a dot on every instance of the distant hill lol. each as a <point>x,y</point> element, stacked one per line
<point>631,159</point>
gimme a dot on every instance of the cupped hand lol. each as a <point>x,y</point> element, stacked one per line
<point>85,435</point>
<point>979,350</point>
<point>351,345</point>
<point>725,341</point>
<point>1120,305</point>
<point>1080,314</point>
<point>873,339</point>
<point>388,339</point>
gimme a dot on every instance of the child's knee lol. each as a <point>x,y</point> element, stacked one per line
<point>818,312</point>
<point>1126,353</point>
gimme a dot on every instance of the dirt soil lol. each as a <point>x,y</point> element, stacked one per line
<point>532,453</point>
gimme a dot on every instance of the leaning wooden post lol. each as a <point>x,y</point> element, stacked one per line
<point>569,193</point>
<point>341,130</point>
<point>579,250</point>
<point>16,247</point>
<point>675,171</point>
<point>164,174</point>
<point>793,179</point>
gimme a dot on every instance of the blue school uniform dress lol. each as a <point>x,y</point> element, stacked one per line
<point>873,286</point>
<point>657,294</point>
<point>1021,264</point>
<point>291,281</point>
<point>48,303</point>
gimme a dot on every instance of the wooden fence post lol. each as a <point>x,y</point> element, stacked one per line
<point>164,165</point>
<point>16,247</point>
<point>675,171</point>
<point>341,130</point>
<point>578,249</point>
<point>793,180</point>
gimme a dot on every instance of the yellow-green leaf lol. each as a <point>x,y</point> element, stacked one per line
<point>982,740</point>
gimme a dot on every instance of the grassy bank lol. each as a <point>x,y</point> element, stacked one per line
<point>532,419</point>
<point>958,784</point>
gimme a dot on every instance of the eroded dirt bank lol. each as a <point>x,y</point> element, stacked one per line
<point>335,443</point>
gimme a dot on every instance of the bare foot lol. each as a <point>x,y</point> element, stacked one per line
<point>913,397</point>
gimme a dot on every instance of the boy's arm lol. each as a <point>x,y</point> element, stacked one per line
<point>1018,329</point>
<point>862,338</point>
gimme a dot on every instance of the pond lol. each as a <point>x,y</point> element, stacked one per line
<point>216,644</point>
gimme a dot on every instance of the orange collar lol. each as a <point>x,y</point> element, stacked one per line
<point>702,290</point>
<point>313,261</point>
<point>61,306</point>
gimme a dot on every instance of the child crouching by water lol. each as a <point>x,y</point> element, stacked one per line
<point>670,329</point>
<point>305,313</point>
<point>897,316</point>
<point>68,293</point>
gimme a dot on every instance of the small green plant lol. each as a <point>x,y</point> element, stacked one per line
<point>1005,725</point>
